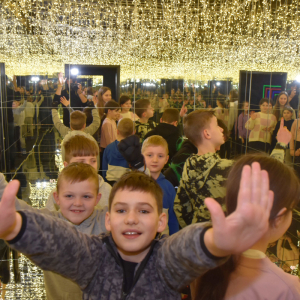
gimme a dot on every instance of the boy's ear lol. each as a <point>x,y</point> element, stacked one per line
<point>83,126</point>
<point>65,164</point>
<point>160,120</point>
<point>167,158</point>
<point>162,222</point>
<point>279,217</point>
<point>98,198</point>
<point>55,195</point>
<point>206,134</point>
<point>107,221</point>
<point>175,123</point>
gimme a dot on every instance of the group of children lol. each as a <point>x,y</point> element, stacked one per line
<point>102,238</point>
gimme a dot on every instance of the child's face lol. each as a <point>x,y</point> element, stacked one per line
<point>149,111</point>
<point>127,104</point>
<point>287,115</point>
<point>15,104</point>
<point>114,114</point>
<point>155,158</point>
<point>282,100</point>
<point>264,107</point>
<point>246,107</point>
<point>134,222</point>
<point>90,160</point>
<point>216,133</point>
<point>77,200</point>
<point>106,96</point>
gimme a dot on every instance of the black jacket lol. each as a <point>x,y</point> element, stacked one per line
<point>174,172</point>
<point>170,133</point>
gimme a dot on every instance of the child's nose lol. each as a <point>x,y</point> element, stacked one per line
<point>77,202</point>
<point>131,218</point>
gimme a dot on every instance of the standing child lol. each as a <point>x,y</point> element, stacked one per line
<point>242,120</point>
<point>155,152</point>
<point>144,111</point>
<point>19,117</point>
<point>29,114</point>
<point>252,275</point>
<point>281,103</point>
<point>261,125</point>
<point>114,165</point>
<point>221,112</point>
<point>125,104</point>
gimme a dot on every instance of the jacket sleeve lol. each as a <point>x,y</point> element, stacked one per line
<point>62,129</point>
<point>95,124</point>
<point>55,245</point>
<point>182,257</point>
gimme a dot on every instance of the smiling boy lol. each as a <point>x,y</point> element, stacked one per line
<point>133,262</point>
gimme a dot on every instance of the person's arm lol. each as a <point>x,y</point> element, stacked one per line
<point>62,129</point>
<point>51,243</point>
<point>61,81</point>
<point>194,250</point>
<point>95,124</point>
<point>38,103</point>
<point>240,125</point>
<point>81,95</point>
<point>251,121</point>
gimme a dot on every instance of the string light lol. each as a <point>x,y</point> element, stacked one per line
<point>196,40</point>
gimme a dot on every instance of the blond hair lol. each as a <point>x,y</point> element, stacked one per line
<point>79,145</point>
<point>78,172</point>
<point>155,140</point>
<point>125,127</point>
<point>77,120</point>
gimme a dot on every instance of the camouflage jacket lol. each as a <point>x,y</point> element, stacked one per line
<point>205,176</point>
<point>141,129</point>
<point>94,264</point>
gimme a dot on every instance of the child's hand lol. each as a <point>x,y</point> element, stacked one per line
<point>283,135</point>
<point>183,110</point>
<point>253,115</point>
<point>61,78</point>
<point>10,220</point>
<point>249,222</point>
<point>64,101</point>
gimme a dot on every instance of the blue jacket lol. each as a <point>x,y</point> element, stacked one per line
<point>114,165</point>
<point>168,202</point>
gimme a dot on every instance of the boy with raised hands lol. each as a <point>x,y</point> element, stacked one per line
<point>133,261</point>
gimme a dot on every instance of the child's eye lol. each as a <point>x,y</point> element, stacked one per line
<point>143,211</point>
<point>69,196</point>
<point>120,211</point>
<point>86,196</point>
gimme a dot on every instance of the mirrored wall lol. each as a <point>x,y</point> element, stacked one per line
<point>239,59</point>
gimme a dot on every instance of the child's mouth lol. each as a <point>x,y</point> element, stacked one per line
<point>77,211</point>
<point>131,234</point>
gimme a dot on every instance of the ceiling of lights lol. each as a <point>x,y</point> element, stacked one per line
<point>197,40</point>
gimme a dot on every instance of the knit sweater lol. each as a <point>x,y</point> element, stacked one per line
<point>261,128</point>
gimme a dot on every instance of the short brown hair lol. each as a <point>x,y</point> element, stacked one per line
<point>78,172</point>
<point>171,115</point>
<point>79,145</point>
<point>141,106</point>
<point>125,127</point>
<point>194,123</point>
<point>110,105</point>
<point>124,99</point>
<point>265,100</point>
<point>138,181</point>
<point>155,140</point>
<point>77,120</point>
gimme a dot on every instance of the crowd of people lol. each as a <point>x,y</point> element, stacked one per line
<point>139,212</point>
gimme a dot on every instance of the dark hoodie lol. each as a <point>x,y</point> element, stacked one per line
<point>170,133</point>
<point>114,165</point>
<point>174,172</point>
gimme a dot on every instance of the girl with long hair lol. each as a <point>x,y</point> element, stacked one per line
<point>104,95</point>
<point>281,102</point>
<point>252,275</point>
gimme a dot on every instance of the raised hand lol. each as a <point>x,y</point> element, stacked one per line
<point>183,110</point>
<point>61,78</point>
<point>64,101</point>
<point>10,220</point>
<point>249,222</point>
<point>253,115</point>
<point>283,135</point>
